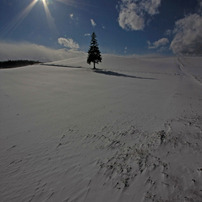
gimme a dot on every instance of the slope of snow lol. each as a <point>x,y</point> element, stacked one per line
<point>128,131</point>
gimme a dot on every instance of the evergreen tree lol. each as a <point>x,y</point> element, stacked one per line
<point>94,54</point>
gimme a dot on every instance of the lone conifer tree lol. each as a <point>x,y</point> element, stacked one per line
<point>94,52</point>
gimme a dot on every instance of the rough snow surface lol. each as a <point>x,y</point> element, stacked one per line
<point>128,131</point>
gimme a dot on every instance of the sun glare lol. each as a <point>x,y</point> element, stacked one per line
<point>22,15</point>
<point>49,17</point>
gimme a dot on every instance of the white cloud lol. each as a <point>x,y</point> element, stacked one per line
<point>128,17</point>
<point>71,15</point>
<point>92,22</point>
<point>188,35</point>
<point>28,51</point>
<point>132,15</point>
<point>151,6</point>
<point>159,43</point>
<point>68,43</point>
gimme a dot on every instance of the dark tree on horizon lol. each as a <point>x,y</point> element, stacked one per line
<point>94,54</point>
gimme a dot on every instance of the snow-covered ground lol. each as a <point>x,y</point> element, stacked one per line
<point>128,131</point>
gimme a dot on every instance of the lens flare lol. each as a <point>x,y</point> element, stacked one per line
<point>49,17</point>
<point>22,15</point>
<point>19,19</point>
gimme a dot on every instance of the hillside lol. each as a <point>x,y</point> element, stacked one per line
<point>130,130</point>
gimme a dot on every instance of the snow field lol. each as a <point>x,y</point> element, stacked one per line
<point>130,131</point>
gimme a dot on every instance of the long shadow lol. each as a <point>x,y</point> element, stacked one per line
<point>111,73</point>
<point>101,71</point>
<point>55,65</point>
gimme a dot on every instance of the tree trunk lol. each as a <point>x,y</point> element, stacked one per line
<point>93,65</point>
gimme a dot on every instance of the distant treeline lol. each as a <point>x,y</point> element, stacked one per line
<point>16,63</point>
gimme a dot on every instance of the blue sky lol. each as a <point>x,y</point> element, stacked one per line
<point>122,26</point>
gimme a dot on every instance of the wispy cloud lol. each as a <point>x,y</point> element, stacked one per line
<point>24,50</point>
<point>125,49</point>
<point>133,14</point>
<point>168,32</point>
<point>87,34</point>
<point>68,43</point>
<point>200,3</point>
<point>159,43</point>
<point>188,35</point>
<point>92,22</point>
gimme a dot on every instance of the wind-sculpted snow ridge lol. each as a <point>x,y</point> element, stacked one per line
<point>131,164</point>
<point>162,166</point>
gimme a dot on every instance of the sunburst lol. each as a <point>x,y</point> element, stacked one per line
<point>73,3</point>
<point>19,18</point>
<point>23,14</point>
<point>50,19</point>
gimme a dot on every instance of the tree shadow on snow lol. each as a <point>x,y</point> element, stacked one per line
<point>111,73</point>
<point>57,65</point>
